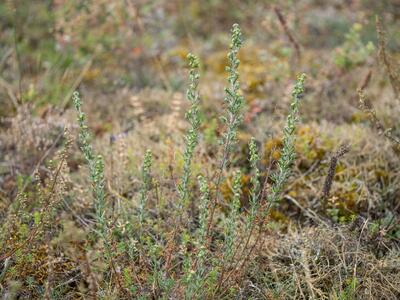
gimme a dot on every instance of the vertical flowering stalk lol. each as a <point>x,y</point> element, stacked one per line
<point>146,184</point>
<point>192,277</point>
<point>255,182</point>
<point>254,192</point>
<point>203,208</point>
<point>192,136</point>
<point>234,102</point>
<point>281,176</point>
<point>195,268</point>
<point>95,164</point>
<point>232,219</point>
<point>288,153</point>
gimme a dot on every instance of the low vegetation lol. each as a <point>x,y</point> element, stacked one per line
<point>272,177</point>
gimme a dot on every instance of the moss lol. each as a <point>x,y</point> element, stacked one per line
<point>359,117</point>
<point>382,175</point>
<point>227,193</point>
<point>343,206</point>
<point>278,216</point>
<point>272,150</point>
<point>309,146</point>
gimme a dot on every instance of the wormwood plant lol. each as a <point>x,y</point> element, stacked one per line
<point>253,197</point>
<point>255,182</point>
<point>148,246</point>
<point>192,136</point>
<point>195,268</point>
<point>234,102</point>
<point>234,106</point>
<point>233,117</point>
<point>192,278</point>
<point>204,272</point>
<point>288,154</point>
<point>96,167</point>
<point>279,178</point>
<point>232,220</point>
<point>231,235</point>
<point>146,183</point>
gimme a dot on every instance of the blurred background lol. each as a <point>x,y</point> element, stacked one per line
<point>49,48</point>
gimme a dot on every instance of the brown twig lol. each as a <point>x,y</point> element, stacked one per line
<point>343,149</point>
<point>16,49</point>
<point>385,59</point>
<point>290,36</point>
<point>367,107</point>
<point>366,80</point>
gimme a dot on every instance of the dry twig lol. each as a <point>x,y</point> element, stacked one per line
<point>391,68</point>
<point>343,149</point>
<point>290,36</point>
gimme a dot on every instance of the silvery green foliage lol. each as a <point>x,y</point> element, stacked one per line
<point>146,184</point>
<point>95,163</point>
<point>201,267</point>
<point>234,103</point>
<point>255,182</point>
<point>203,209</point>
<point>195,269</point>
<point>192,278</point>
<point>288,153</point>
<point>232,220</point>
<point>192,136</point>
<point>233,99</point>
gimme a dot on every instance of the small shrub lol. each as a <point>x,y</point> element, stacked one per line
<point>353,52</point>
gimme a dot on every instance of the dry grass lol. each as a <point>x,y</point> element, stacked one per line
<point>335,233</point>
